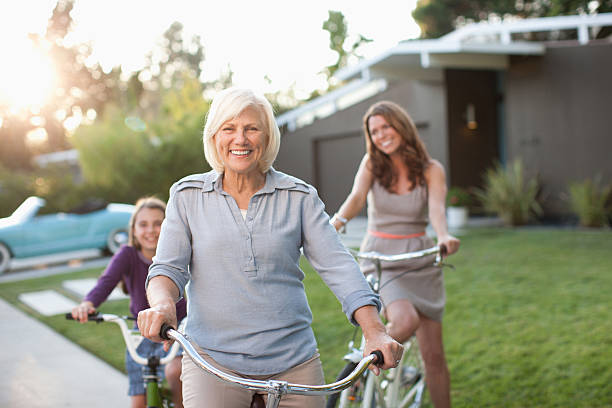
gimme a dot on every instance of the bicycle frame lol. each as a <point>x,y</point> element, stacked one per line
<point>274,388</point>
<point>390,397</point>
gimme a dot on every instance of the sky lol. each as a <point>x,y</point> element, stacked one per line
<point>282,40</point>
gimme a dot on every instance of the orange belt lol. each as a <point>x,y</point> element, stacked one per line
<point>394,236</point>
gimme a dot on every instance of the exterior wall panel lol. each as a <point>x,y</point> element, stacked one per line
<point>559,118</point>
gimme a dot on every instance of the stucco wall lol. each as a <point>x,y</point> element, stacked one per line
<point>558,116</point>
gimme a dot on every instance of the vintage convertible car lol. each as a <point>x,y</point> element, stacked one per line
<point>95,225</point>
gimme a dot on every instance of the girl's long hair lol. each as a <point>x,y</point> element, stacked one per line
<point>145,202</point>
<point>412,148</point>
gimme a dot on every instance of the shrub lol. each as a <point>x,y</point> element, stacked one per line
<point>458,197</point>
<point>589,201</point>
<point>508,194</point>
<point>54,183</point>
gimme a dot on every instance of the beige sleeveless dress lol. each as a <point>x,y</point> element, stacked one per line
<point>404,214</point>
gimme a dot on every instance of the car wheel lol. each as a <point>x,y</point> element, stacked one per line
<point>116,238</point>
<point>5,258</point>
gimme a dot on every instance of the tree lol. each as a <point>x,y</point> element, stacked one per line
<point>80,87</point>
<point>338,35</point>
<point>439,17</point>
<point>126,157</point>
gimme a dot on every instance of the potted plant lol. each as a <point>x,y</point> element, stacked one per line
<point>457,202</point>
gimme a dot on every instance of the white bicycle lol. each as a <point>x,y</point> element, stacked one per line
<point>273,388</point>
<point>399,387</point>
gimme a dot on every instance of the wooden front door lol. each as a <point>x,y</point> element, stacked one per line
<point>473,147</point>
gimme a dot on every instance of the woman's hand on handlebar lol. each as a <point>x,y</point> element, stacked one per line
<point>151,320</point>
<point>392,350</point>
<point>450,243</point>
<point>82,311</point>
<point>376,338</point>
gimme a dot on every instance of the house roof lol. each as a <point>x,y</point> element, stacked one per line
<point>428,54</point>
<point>481,45</point>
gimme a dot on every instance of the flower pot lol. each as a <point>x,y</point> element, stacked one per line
<point>456,217</point>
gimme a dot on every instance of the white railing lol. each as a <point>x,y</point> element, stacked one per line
<point>505,29</point>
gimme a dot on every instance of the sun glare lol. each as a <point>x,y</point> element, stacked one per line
<point>27,80</point>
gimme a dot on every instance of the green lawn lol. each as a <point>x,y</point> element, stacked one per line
<point>527,320</point>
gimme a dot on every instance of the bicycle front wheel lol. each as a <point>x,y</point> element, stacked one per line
<point>355,395</point>
<point>406,383</point>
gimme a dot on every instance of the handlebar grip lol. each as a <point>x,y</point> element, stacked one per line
<point>163,332</point>
<point>95,317</point>
<point>443,250</point>
<point>380,360</point>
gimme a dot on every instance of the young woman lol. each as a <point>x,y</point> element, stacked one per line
<point>404,188</point>
<point>130,265</point>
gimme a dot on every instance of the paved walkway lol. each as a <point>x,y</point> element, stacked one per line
<point>41,369</point>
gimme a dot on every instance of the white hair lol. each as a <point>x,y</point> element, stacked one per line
<point>229,104</point>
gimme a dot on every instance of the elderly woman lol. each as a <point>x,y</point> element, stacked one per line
<point>234,234</point>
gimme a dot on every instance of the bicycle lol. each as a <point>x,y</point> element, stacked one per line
<point>273,388</point>
<point>154,396</point>
<point>397,387</point>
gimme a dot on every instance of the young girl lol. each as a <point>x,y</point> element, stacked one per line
<point>130,265</point>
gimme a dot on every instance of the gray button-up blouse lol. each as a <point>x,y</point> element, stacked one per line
<point>247,306</point>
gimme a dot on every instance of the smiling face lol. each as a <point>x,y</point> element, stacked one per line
<point>240,142</point>
<point>383,135</point>
<point>147,226</point>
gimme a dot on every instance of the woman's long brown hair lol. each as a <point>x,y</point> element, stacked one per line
<point>412,149</point>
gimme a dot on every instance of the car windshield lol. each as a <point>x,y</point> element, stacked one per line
<point>28,208</point>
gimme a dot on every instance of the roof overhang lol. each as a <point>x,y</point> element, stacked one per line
<point>414,57</point>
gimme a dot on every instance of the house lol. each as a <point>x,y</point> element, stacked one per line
<point>477,95</point>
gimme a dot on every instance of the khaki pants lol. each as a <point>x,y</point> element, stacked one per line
<point>202,390</point>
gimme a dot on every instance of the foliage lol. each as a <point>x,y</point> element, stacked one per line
<point>337,28</point>
<point>128,157</point>
<point>79,88</point>
<point>439,17</point>
<point>458,197</point>
<point>14,188</point>
<point>14,153</point>
<point>590,200</point>
<point>175,59</point>
<point>55,183</point>
<point>83,89</point>
<point>514,323</point>
<point>509,194</point>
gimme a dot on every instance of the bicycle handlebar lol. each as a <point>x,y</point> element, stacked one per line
<point>437,250</point>
<point>274,387</point>
<point>127,337</point>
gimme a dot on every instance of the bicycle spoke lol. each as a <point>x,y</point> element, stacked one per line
<point>408,383</point>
